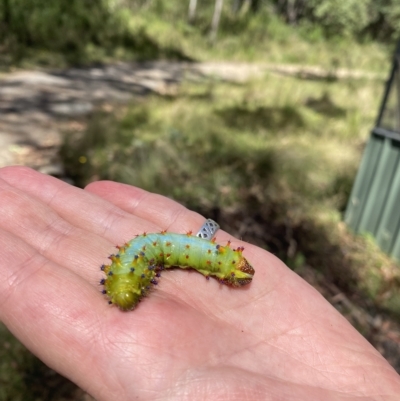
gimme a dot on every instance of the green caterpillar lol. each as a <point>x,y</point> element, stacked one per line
<point>139,263</point>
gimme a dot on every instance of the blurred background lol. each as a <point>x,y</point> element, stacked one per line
<point>252,112</point>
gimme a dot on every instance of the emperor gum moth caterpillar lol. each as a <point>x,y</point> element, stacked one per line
<point>139,262</point>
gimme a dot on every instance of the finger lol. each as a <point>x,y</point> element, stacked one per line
<point>150,212</point>
<point>155,208</point>
<point>53,237</point>
<point>80,208</point>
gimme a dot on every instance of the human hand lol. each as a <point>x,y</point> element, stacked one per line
<point>190,339</point>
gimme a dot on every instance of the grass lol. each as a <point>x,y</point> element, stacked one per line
<point>261,38</point>
<point>279,153</point>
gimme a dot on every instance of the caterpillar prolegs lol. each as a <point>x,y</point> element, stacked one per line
<point>139,263</point>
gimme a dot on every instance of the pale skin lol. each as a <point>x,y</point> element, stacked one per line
<point>190,339</point>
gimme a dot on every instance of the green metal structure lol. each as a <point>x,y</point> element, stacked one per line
<point>374,204</point>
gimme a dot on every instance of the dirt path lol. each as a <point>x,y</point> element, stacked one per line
<point>35,106</point>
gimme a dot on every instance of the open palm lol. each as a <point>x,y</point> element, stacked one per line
<point>190,339</point>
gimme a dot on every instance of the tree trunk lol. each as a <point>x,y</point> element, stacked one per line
<point>291,12</point>
<point>216,18</point>
<point>192,10</point>
<point>237,5</point>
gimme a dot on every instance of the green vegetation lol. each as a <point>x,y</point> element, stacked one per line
<point>331,33</point>
<point>65,32</point>
<point>23,377</point>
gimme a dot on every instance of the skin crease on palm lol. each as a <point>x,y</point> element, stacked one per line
<point>191,338</point>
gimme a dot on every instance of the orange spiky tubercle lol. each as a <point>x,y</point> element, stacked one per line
<point>138,263</point>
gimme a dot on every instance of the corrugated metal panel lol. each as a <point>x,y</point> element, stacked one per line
<point>364,179</point>
<point>389,223</point>
<point>379,187</point>
<point>375,199</point>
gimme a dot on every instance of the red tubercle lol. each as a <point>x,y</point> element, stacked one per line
<point>239,250</point>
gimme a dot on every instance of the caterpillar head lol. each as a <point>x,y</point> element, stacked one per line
<point>242,275</point>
